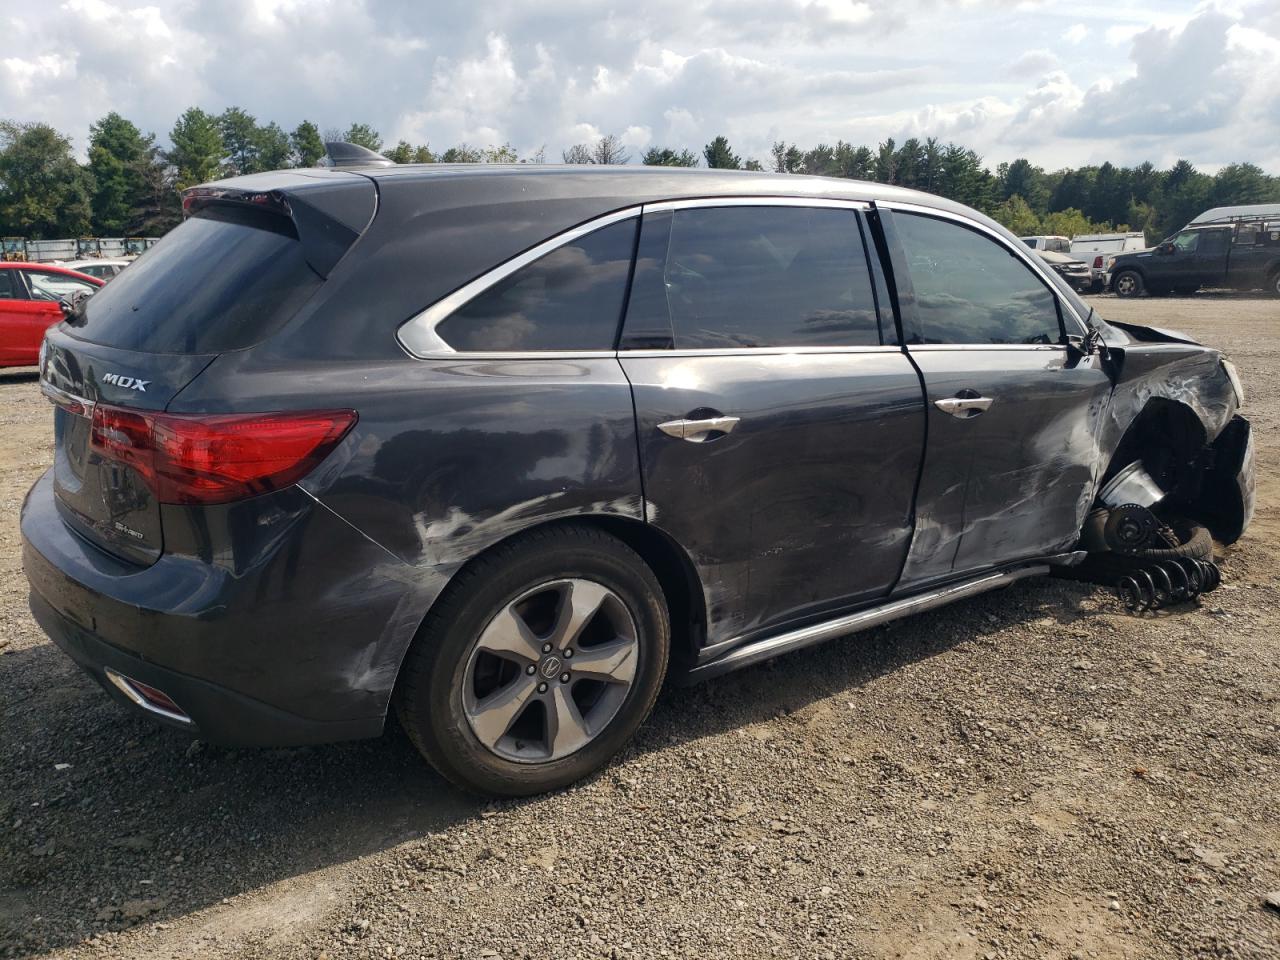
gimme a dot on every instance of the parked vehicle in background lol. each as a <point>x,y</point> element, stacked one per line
<point>30,298</point>
<point>1096,248</point>
<point>1074,271</point>
<point>1052,244</point>
<point>1239,254</point>
<point>85,248</point>
<point>632,419</point>
<point>102,269</point>
<point>1244,212</point>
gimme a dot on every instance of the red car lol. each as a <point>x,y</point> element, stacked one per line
<point>29,294</point>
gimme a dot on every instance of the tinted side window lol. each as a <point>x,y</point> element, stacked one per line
<point>9,286</point>
<point>769,277</point>
<point>970,289</point>
<point>569,299</point>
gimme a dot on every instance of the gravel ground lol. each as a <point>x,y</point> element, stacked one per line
<point>1030,773</point>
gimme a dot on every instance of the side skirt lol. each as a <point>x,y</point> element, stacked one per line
<point>770,647</point>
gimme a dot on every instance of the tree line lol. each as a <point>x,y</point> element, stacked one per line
<point>130,185</point>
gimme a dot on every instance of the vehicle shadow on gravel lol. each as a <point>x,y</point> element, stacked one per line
<point>147,825</point>
<point>19,376</point>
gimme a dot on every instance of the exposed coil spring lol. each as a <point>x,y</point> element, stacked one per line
<point>1165,582</point>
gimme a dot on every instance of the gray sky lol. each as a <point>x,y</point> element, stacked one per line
<point>1063,82</point>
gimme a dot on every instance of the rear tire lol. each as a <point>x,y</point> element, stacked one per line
<point>488,704</point>
<point>1273,284</point>
<point>1128,283</point>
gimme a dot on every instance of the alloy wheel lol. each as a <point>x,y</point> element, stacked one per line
<point>550,670</point>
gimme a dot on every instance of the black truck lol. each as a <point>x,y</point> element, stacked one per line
<point>1240,253</point>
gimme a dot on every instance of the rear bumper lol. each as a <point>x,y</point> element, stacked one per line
<point>217,714</point>
<point>277,633</point>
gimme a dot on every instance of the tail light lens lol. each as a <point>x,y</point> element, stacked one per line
<point>205,459</point>
<point>1097,263</point>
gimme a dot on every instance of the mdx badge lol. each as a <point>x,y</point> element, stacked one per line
<point>127,382</point>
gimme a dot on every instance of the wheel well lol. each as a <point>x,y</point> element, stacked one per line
<point>676,575</point>
<point>1167,437</point>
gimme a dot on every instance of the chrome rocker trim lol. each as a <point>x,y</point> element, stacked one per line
<point>816,633</point>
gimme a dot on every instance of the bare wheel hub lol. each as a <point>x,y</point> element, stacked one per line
<point>550,671</point>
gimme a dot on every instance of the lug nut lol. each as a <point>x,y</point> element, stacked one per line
<point>569,652</point>
<point>542,688</point>
<point>546,648</point>
<point>531,669</point>
<point>564,678</point>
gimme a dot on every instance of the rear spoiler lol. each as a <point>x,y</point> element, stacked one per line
<point>327,214</point>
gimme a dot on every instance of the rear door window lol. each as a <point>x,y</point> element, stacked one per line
<point>567,300</point>
<point>223,280</point>
<point>767,276</point>
<point>970,289</point>
<point>10,286</point>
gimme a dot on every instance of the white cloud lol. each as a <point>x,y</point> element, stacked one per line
<point>1060,84</point>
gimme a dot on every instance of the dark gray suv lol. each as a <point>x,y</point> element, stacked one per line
<point>503,447</point>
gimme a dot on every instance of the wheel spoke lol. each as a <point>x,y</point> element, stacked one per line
<point>507,635</point>
<point>566,730</point>
<point>493,716</point>
<point>579,602</point>
<point>613,662</point>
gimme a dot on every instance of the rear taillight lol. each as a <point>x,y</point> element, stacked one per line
<point>217,458</point>
<point>1097,263</point>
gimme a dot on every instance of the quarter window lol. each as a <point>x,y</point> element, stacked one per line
<point>569,299</point>
<point>767,276</point>
<point>971,289</point>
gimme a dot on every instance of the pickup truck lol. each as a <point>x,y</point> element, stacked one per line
<point>1243,255</point>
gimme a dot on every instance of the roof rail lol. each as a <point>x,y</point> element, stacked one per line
<point>339,153</point>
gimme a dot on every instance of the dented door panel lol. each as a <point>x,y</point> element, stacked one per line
<point>806,505</point>
<point>1015,481</point>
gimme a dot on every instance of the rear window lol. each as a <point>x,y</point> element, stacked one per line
<point>220,281</point>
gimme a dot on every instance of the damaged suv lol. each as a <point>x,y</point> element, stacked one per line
<point>499,449</point>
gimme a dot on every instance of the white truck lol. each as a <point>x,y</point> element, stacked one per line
<point>1096,249</point>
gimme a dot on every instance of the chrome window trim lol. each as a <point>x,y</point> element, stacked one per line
<point>692,203</point>
<point>418,336</point>
<point>1022,251</point>
<point>917,347</point>
<point>754,351</point>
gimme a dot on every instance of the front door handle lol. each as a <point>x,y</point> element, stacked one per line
<point>698,431</point>
<point>964,408</point>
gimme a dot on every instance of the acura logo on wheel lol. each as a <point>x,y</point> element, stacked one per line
<point>550,667</point>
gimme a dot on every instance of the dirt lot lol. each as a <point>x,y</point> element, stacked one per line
<point>1028,774</point>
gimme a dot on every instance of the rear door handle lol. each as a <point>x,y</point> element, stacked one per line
<point>964,408</point>
<point>698,431</point>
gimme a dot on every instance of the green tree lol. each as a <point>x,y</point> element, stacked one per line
<point>505,153</point>
<point>272,148</point>
<point>116,148</point>
<point>307,146</point>
<point>1238,183</point>
<point>197,148</point>
<point>462,153</point>
<point>239,140</point>
<point>157,207</point>
<point>363,135</point>
<point>666,157</point>
<point>1017,215</point>
<point>423,154</point>
<point>787,157</point>
<point>44,193</point>
<point>886,164</point>
<point>1022,179</point>
<point>719,156</point>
